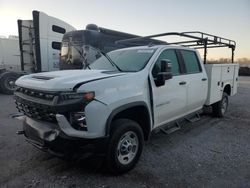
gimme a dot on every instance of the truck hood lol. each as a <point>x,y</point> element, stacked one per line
<point>63,80</point>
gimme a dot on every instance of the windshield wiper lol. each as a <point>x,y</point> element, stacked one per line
<point>110,60</point>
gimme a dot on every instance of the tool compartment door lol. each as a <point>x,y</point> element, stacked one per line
<point>214,83</point>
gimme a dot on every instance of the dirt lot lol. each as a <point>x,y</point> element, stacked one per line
<point>209,153</point>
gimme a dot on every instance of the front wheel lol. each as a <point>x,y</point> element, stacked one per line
<point>220,108</point>
<point>7,82</point>
<point>125,146</point>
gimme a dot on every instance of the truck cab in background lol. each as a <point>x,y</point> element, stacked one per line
<point>48,44</point>
<point>82,47</point>
<point>37,49</point>
<point>40,42</point>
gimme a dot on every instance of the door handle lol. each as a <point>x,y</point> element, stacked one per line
<point>182,83</point>
<point>203,79</point>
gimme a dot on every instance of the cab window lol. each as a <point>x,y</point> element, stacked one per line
<point>170,55</point>
<point>191,61</point>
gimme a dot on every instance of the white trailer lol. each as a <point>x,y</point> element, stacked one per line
<point>39,47</point>
<point>9,63</point>
<point>10,54</point>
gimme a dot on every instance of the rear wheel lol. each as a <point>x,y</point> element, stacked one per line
<point>7,82</point>
<point>125,146</point>
<point>220,108</point>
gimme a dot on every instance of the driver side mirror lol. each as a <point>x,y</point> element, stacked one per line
<point>165,72</point>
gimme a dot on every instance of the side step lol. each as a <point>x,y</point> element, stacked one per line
<point>171,129</point>
<point>176,125</point>
<point>193,119</point>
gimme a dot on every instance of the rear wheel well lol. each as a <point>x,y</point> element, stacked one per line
<point>227,89</point>
<point>138,114</point>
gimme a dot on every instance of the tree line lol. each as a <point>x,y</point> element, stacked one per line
<point>241,61</point>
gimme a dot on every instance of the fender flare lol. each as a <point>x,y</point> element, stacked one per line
<point>125,107</point>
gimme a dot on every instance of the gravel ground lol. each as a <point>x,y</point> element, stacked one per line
<point>209,153</point>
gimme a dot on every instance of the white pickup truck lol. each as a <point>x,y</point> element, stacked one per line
<point>124,96</point>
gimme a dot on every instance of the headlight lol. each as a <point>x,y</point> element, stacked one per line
<point>87,96</point>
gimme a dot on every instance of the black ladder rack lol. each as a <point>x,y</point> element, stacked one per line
<point>199,40</point>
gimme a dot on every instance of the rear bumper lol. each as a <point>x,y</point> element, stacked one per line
<point>49,137</point>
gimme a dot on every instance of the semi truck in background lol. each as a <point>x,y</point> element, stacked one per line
<point>36,49</point>
<point>40,42</point>
<point>42,38</point>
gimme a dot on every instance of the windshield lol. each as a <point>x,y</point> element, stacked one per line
<point>77,56</point>
<point>129,60</point>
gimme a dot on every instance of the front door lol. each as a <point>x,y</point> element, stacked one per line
<point>169,100</point>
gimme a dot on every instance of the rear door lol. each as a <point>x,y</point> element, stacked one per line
<point>169,100</point>
<point>196,78</point>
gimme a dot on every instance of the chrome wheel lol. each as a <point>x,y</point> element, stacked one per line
<point>127,147</point>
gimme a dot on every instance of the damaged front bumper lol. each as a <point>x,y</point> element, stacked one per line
<point>50,122</point>
<point>60,139</point>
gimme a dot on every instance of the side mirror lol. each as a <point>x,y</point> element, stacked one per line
<point>165,72</point>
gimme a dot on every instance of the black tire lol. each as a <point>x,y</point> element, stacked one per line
<point>7,82</point>
<point>220,108</point>
<point>123,139</point>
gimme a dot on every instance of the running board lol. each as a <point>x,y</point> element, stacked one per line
<point>193,119</point>
<point>172,129</point>
<point>177,124</point>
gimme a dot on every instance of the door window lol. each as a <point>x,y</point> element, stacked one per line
<point>170,55</point>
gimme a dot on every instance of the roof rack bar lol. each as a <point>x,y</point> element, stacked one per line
<point>209,35</point>
<point>211,47</point>
<point>208,45</point>
<point>216,40</point>
<point>203,37</point>
<point>153,36</point>
<point>183,42</point>
<point>203,41</point>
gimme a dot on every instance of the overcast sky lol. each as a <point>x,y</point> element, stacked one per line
<point>226,18</point>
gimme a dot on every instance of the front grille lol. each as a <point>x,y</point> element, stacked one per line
<point>36,110</point>
<point>40,112</point>
<point>44,105</point>
<point>37,94</point>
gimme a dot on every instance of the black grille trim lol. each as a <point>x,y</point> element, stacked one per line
<point>37,94</point>
<point>45,109</point>
<point>36,111</point>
